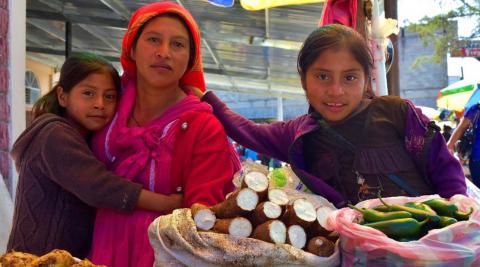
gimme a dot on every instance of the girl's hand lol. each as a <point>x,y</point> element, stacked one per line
<point>175,201</point>
<point>159,202</point>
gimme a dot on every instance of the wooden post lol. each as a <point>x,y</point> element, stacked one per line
<point>393,74</point>
<point>361,19</point>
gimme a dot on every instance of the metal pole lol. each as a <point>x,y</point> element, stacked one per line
<point>68,39</point>
<point>279,108</point>
<point>380,83</point>
<point>393,75</point>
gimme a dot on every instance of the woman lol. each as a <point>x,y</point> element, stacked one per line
<point>469,119</point>
<point>349,148</point>
<point>162,136</point>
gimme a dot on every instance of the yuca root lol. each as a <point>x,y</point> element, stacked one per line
<point>318,226</point>
<point>265,211</point>
<point>239,203</point>
<point>258,182</point>
<point>296,236</point>
<point>203,217</point>
<point>273,231</point>
<point>320,246</point>
<point>238,226</point>
<point>278,196</point>
<point>333,236</point>
<point>300,212</point>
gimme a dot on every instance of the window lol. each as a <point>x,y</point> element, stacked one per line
<point>32,90</point>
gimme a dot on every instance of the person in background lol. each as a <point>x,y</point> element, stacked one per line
<point>162,136</point>
<point>447,132</point>
<point>60,181</point>
<point>471,117</point>
<point>348,147</point>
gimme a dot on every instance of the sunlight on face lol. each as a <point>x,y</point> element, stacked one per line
<point>91,103</point>
<point>335,84</point>
<point>162,52</point>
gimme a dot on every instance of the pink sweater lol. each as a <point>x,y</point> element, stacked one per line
<point>144,155</point>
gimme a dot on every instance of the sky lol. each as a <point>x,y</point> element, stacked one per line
<point>414,10</point>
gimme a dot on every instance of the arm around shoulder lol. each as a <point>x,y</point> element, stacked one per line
<point>272,139</point>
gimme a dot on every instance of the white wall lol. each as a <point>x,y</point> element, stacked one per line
<point>16,89</point>
<point>17,34</point>
<point>6,211</point>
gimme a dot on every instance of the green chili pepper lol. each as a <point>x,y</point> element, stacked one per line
<point>462,216</point>
<point>419,206</point>
<point>399,228</point>
<point>442,206</point>
<point>424,207</point>
<point>418,214</point>
<point>446,221</point>
<point>371,215</point>
<point>382,208</point>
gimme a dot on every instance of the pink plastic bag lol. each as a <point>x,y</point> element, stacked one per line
<point>455,245</point>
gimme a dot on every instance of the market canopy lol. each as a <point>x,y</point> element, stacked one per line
<point>457,95</point>
<point>262,4</point>
<point>242,51</point>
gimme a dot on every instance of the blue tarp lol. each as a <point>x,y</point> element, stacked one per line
<point>223,3</point>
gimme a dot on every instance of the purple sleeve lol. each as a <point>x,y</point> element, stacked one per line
<point>442,169</point>
<point>272,139</point>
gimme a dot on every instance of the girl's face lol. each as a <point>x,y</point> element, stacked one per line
<point>334,84</point>
<point>162,52</point>
<point>91,103</point>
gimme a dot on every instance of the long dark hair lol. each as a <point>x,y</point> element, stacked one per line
<point>74,70</point>
<point>334,36</point>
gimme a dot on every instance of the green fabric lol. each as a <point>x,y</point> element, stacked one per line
<point>451,91</point>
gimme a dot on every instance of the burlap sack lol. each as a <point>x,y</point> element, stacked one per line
<point>177,242</point>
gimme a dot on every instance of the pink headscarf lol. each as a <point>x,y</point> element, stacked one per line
<point>339,11</point>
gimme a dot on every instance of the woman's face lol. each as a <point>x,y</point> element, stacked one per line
<point>162,52</point>
<point>334,84</point>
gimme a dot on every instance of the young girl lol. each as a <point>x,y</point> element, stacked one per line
<point>349,148</point>
<point>59,178</point>
<point>162,136</point>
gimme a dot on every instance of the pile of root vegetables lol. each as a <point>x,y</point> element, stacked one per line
<point>256,211</point>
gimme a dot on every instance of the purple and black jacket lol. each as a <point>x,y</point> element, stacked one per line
<point>284,141</point>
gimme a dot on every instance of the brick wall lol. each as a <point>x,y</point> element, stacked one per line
<point>4,106</point>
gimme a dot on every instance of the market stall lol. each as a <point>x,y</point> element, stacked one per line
<point>396,231</point>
